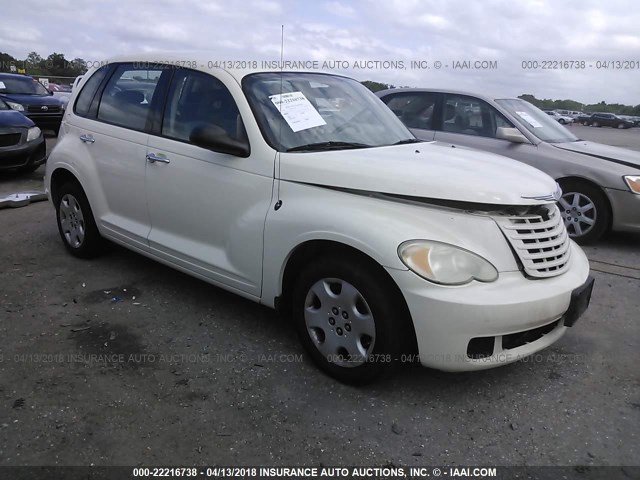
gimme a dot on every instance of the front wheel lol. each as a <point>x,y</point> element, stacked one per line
<point>348,319</point>
<point>620,125</point>
<point>585,211</point>
<point>76,224</point>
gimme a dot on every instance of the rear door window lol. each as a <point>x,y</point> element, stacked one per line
<point>472,116</point>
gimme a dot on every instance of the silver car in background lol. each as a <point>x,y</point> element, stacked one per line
<point>600,183</point>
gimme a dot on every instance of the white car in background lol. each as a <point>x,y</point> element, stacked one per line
<point>303,192</point>
<point>562,119</point>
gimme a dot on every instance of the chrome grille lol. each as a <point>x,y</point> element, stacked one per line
<point>539,239</point>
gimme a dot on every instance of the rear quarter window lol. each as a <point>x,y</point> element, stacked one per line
<point>83,103</point>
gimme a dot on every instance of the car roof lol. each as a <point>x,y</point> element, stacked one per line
<point>481,96</point>
<point>202,60</point>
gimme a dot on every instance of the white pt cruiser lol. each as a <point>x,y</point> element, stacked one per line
<point>303,192</point>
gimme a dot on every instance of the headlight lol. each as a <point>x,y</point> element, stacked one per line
<point>445,264</point>
<point>33,133</point>
<point>633,181</point>
<point>16,106</point>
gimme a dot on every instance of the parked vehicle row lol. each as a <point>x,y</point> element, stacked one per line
<point>562,119</point>
<point>303,192</point>
<point>25,94</point>
<point>599,119</point>
<point>63,92</point>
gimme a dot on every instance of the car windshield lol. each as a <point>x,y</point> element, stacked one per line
<point>22,86</point>
<point>536,121</point>
<point>313,111</point>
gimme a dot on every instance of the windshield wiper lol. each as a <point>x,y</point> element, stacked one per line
<point>408,140</point>
<point>320,146</point>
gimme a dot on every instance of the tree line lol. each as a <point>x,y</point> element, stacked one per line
<point>603,106</point>
<point>55,65</point>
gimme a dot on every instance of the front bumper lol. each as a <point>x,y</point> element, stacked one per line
<point>23,155</point>
<point>625,206</point>
<point>447,319</point>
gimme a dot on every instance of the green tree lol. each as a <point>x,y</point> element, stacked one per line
<point>77,66</point>
<point>6,61</point>
<point>56,65</point>
<point>376,86</point>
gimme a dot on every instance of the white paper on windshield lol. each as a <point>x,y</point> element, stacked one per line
<point>2,85</point>
<point>297,111</point>
<point>529,119</point>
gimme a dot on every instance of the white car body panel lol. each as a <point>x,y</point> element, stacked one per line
<point>426,170</point>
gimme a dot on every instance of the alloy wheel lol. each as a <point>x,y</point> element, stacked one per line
<point>578,212</point>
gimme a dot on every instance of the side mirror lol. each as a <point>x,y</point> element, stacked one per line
<point>50,92</point>
<point>215,138</point>
<point>511,134</point>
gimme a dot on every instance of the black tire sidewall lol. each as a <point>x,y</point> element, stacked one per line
<point>92,241</point>
<point>603,212</point>
<point>383,307</point>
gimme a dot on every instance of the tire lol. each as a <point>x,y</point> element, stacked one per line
<point>76,224</point>
<point>348,320</point>
<point>620,125</point>
<point>582,201</point>
<point>562,121</point>
<point>595,124</point>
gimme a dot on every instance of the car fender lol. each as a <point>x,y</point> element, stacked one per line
<point>371,224</point>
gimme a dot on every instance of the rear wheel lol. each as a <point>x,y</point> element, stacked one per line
<point>347,320</point>
<point>585,211</point>
<point>76,224</point>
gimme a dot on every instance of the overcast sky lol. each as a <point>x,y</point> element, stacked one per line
<point>507,32</point>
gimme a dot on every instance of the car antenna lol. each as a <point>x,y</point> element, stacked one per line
<point>279,202</point>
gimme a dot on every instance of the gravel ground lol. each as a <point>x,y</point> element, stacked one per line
<point>122,361</point>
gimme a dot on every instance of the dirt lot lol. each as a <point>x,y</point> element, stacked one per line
<point>122,361</point>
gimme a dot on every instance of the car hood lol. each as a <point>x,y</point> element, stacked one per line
<point>423,170</point>
<point>13,118</point>
<point>618,155</point>
<point>32,99</point>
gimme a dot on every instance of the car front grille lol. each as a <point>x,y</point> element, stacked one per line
<point>9,139</point>
<point>539,239</point>
<point>43,108</point>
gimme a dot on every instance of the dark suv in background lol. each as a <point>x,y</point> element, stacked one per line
<point>608,120</point>
<point>25,94</point>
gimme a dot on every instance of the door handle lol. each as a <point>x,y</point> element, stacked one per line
<point>87,139</point>
<point>153,158</point>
